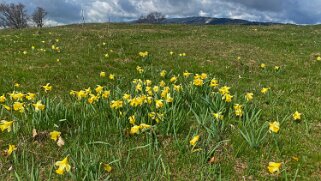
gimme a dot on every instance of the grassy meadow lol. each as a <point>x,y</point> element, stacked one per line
<point>160,102</point>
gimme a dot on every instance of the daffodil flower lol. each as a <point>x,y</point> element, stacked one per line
<point>274,167</point>
<point>63,166</point>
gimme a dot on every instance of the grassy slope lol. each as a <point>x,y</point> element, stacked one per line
<point>211,49</point>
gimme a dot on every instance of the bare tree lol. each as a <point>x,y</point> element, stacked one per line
<point>38,16</point>
<point>13,15</point>
<point>154,17</point>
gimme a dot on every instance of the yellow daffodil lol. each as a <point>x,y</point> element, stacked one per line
<point>194,140</point>
<point>47,87</point>
<point>18,96</point>
<point>186,74</point>
<point>99,89</point>
<point>132,119</point>
<point>143,126</point>
<point>39,106</point>
<point>276,68</point>
<point>107,167</point>
<point>126,96</point>
<point>139,69</point>
<point>159,104</point>
<point>102,74</point>
<point>218,116</point>
<point>11,149</point>
<point>8,108</point>
<point>318,58</point>
<point>63,166</point>
<point>18,106</point>
<point>214,83</point>
<point>171,52</point>
<point>3,98</point>
<point>139,87</point>
<point>203,76</point>
<point>274,127</point>
<point>198,82</point>
<point>106,55</point>
<point>296,115</point>
<point>116,104</point>
<point>162,83</point>
<point>263,65</point>
<point>238,110</point>
<point>6,125</point>
<point>17,85</point>
<point>224,90</point>
<point>249,96</point>
<point>264,90</point>
<point>227,98</point>
<point>169,99</point>
<point>274,167</point>
<point>30,96</point>
<point>134,129</point>
<point>173,79</point>
<point>163,73</point>
<point>112,76</point>
<point>177,88</point>
<point>54,135</point>
<point>143,54</point>
<point>106,94</point>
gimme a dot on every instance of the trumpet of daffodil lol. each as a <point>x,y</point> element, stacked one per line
<point>92,98</point>
<point>163,73</point>
<point>11,149</point>
<point>47,87</point>
<point>30,96</point>
<point>227,97</point>
<point>214,83</point>
<point>165,91</point>
<point>264,90</point>
<point>18,106</point>
<point>102,74</point>
<point>54,135</point>
<point>296,116</point>
<point>107,167</point>
<point>3,98</point>
<point>112,76</point>
<point>173,79</point>
<point>143,54</point>
<point>274,167</point>
<point>186,74</point>
<point>6,125</point>
<point>194,140</point>
<point>198,82</point>
<point>148,82</point>
<point>139,69</point>
<point>132,119</point>
<point>263,65</point>
<point>99,89</point>
<point>39,106</point>
<point>134,129</point>
<point>116,104</point>
<point>63,166</point>
<point>224,90</point>
<point>218,116</point>
<point>159,103</point>
<point>274,127</point>
<point>248,96</point>
<point>149,90</point>
<point>106,94</point>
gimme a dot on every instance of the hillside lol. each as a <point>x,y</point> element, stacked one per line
<point>208,102</point>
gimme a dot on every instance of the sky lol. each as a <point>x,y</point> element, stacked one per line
<point>70,11</point>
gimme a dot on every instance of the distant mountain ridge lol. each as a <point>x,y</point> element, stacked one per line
<point>209,21</point>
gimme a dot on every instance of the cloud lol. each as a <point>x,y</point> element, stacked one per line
<point>69,11</point>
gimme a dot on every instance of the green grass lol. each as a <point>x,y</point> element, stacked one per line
<point>95,134</point>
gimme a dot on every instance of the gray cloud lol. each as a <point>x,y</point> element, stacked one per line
<point>69,11</point>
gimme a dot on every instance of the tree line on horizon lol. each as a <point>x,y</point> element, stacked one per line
<point>15,16</point>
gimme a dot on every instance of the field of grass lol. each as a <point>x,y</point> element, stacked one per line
<point>124,128</point>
